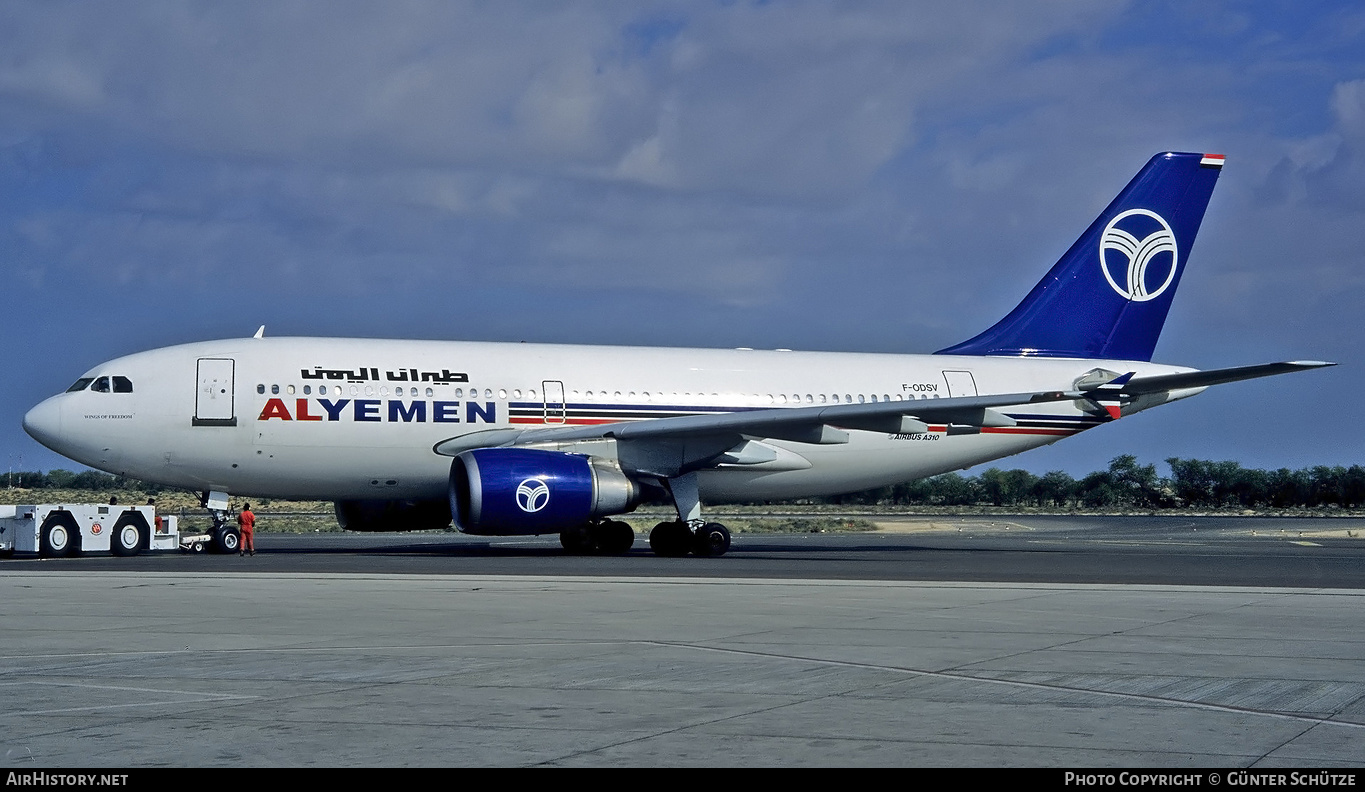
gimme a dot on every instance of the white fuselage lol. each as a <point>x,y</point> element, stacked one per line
<point>343,419</point>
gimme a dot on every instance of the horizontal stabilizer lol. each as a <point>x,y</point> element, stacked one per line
<point>1203,379</point>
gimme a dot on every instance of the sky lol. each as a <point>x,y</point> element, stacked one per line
<point>869,176</point>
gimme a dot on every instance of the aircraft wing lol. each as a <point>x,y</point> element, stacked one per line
<point>821,424</point>
<point>1203,379</point>
<point>711,434</point>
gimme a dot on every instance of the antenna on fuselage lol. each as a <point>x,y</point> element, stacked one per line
<point>260,332</point>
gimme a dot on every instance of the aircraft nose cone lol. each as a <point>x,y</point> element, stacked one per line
<point>44,423</point>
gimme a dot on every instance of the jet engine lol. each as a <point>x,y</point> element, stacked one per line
<point>382,515</point>
<point>508,491</point>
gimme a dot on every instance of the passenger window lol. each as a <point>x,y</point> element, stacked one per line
<point>80,384</point>
<point>123,385</point>
<point>260,389</point>
<point>307,389</point>
<point>290,389</point>
<point>101,385</point>
<point>275,389</point>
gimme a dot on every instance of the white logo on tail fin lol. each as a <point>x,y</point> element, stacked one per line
<point>1138,256</point>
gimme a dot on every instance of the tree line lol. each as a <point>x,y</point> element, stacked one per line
<point>1192,483</point>
<point>86,480</point>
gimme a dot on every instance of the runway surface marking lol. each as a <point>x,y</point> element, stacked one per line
<point>200,696</point>
<point>1020,684</point>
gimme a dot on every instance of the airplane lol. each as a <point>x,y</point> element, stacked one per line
<point>521,439</point>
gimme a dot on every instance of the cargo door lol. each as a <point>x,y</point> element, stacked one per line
<point>213,398</point>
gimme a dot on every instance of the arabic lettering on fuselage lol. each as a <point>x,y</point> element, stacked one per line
<point>371,374</point>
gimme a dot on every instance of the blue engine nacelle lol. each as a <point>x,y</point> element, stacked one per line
<point>510,491</point>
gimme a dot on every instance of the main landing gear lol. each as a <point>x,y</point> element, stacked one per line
<point>604,537</point>
<point>689,533</point>
<point>668,539</point>
<point>676,539</point>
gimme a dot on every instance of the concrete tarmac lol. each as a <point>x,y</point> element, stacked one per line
<point>225,669</point>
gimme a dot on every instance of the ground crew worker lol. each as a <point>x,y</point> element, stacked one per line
<point>160,523</point>
<point>247,521</point>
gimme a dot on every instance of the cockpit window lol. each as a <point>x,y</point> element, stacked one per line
<point>80,384</point>
<point>123,385</point>
<point>101,385</point>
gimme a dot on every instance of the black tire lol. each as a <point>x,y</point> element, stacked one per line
<point>57,538</point>
<point>227,540</point>
<point>670,539</point>
<point>197,547</point>
<point>576,540</point>
<point>615,537</point>
<point>128,539</point>
<point>712,540</point>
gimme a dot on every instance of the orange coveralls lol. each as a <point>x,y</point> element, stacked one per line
<point>247,521</point>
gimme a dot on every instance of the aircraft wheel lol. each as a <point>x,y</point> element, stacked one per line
<point>127,540</point>
<point>712,539</point>
<point>56,539</point>
<point>228,540</point>
<point>615,537</point>
<point>577,539</point>
<point>670,539</point>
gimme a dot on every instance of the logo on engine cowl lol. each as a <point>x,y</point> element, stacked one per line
<point>532,495</point>
<point>1139,261</point>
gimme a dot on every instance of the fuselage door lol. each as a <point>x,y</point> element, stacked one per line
<point>554,401</point>
<point>960,383</point>
<point>213,398</point>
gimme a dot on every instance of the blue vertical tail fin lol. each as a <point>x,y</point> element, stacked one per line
<point>1108,296</point>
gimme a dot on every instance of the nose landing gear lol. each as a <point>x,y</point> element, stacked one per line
<point>224,535</point>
